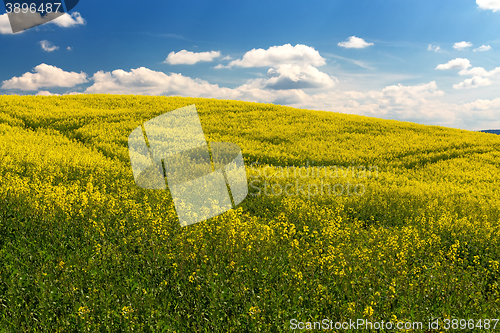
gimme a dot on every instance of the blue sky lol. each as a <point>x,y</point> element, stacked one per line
<point>430,62</point>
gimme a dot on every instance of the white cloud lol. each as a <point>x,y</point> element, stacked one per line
<point>279,55</point>
<point>479,74</point>
<point>458,63</point>
<point>408,103</point>
<point>480,71</point>
<point>476,71</point>
<point>433,48</point>
<point>493,72</point>
<point>474,82</point>
<point>297,77</point>
<point>144,81</point>
<point>45,76</point>
<point>190,58</point>
<point>45,93</point>
<point>287,76</point>
<point>48,46</point>
<point>354,42</point>
<point>227,58</point>
<point>481,114</point>
<point>419,103</point>
<point>482,48</point>
<point>462,45</point>
<point>69,48</point>
<point>463,64</point>
<point>404,96</point>
<point>402,101</point>
<point>69,20</point>
<point>483,104</point>
<point>493,5</point>
<point>48,93</point>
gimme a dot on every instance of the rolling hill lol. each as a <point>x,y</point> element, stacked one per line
<point>347,217</point>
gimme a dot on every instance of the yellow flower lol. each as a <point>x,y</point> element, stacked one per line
<point>126,310</point>
<point>254,311</point>
<point>368,311</point>
<point>83,311</point>
<point>392,289</point>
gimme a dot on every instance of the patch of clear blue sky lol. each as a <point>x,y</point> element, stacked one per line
<point>130,34</point>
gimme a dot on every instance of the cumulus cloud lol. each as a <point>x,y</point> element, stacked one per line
<point>45,76</point>
<point>297,77</point>
<point>287,84</point>
<point>45,93</point>
<point>185,57</point>
<point>480,114</point>
<point>479,74</point>
<point>493,5</point>
<point>48,46</point>
<point>433,48</point>
<point>69,20</point>
<point>483,104</point>
<point>421,103</point>
<point>48,93</point>
<point>144,81</point>
<point>463,65</point>
<point>476,71</point>
<point>480,71</point>
<point>462,45</point>
<point>482,48</point>
<point>458,63</point>
<point>401,96</point>
<point>281,87</point>
<point>474,82</point>
<point>279,55</point>
<point>354,42</point>
<point>418,103</point>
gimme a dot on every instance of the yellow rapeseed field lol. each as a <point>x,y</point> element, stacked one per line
<point>347,218</point>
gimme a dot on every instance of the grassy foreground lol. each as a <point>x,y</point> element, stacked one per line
<point>408,229</point>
